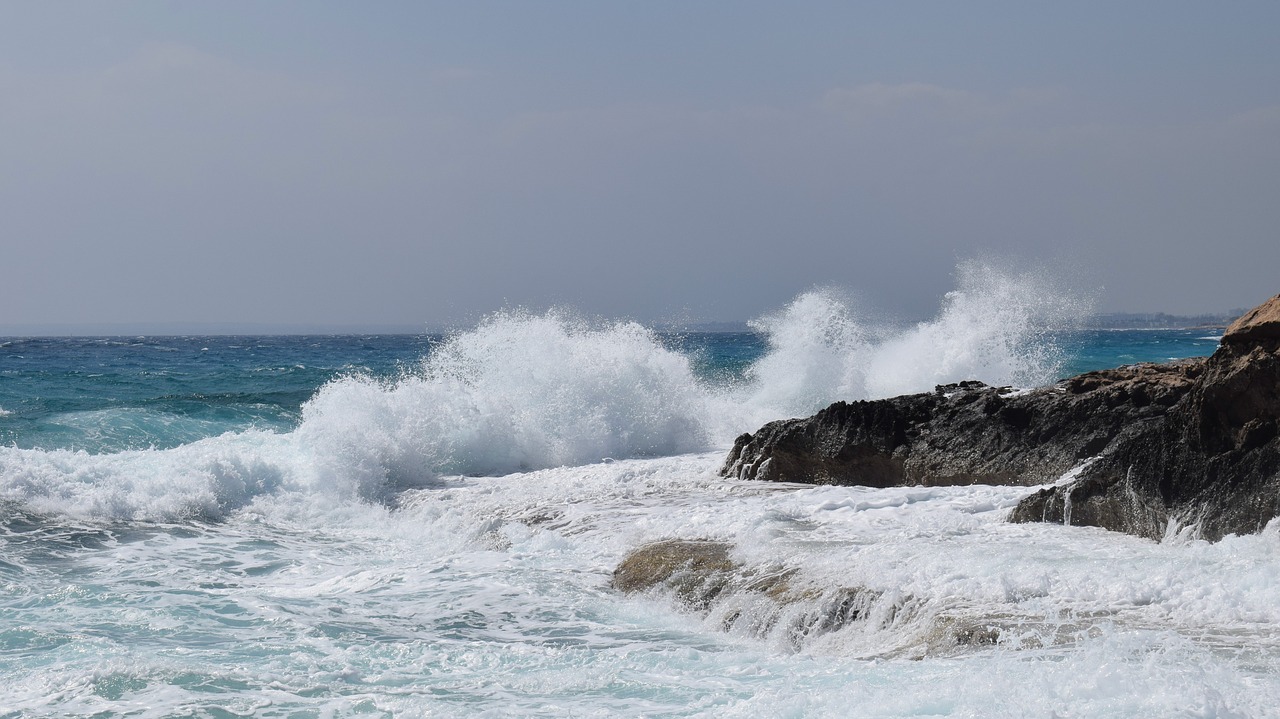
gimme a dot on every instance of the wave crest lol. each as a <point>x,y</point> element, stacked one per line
<point>519,392</point>
<point>524,391</point>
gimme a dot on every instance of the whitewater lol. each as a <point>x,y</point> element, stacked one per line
<point>328,527</point>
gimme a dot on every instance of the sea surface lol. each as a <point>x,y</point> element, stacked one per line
<point>402,526</point>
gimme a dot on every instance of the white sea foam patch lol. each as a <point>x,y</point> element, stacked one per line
<point>490,597</point>
<point>994,327</point>
<point>203,479</point>
<point>519,392</point>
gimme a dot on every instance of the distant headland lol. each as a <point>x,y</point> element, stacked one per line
<point>1159,320</point>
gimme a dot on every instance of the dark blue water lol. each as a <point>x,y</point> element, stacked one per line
<point>1088,350</point>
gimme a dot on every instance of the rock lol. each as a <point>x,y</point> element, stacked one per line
<point>1213,463</point>
<point>1262,323</point>
<point>966,433</point>
<point>696,570</point>
<point>774,602</point>
<point>1194,443</point>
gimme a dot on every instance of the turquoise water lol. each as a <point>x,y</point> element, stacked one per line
<point>103,394</point>
<point>427,526</point>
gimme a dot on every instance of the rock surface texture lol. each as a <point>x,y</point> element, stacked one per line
<point>1212,463</point>
<point>966,433</point>
<point>1194,441</point>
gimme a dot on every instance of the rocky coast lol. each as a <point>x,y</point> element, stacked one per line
<point>1144,449</point>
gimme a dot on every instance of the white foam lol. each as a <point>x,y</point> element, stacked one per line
<point>519,392</point>
<point>993,327</point>
<point>490,596</point>
<point>524,391</point>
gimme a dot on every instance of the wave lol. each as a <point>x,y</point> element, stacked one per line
<point>519,392</point>
<point>994,327</point>
<point>526,391</point>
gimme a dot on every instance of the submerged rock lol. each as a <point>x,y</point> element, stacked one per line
<point>695,569</point>
<point>1195,441</point>
<point>775,603</point>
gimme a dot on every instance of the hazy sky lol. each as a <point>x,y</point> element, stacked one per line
<point>423,163</point>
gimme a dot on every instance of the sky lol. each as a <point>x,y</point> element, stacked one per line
<point>421,164</point>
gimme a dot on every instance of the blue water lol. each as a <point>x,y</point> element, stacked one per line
<point>403,526</point>
<point>105,394</point>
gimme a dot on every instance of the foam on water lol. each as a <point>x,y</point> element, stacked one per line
<point>524,391</point>
<point>490,597</point>
<point>519,392</point>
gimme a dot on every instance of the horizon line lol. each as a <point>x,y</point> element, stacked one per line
<point>1108,320</point>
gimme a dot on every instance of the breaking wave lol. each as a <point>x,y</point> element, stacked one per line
<point>526,391</point>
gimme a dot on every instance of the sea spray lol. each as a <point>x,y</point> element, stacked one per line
<point>525,391</point>
<point>817,353</point>
<point>519,392</point>
<point>996,327</point>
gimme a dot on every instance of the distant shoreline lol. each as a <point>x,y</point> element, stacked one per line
<point>1160,320</point>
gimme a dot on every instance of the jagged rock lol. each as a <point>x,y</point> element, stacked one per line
<point>1213,462</point>
<point>1258,324</point>
<point>1195,441</point>
<point>966,433</point>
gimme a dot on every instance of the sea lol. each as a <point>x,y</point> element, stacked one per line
<point>428,526</point>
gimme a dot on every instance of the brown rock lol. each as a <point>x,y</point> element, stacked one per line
<point>1258,324</point>
<point>695,569</point>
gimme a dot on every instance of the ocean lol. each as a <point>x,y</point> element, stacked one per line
<point>403,526</point>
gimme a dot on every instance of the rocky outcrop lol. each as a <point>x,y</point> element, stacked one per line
<point>1196,442</point>
<point>1213,463</point>
<point>695,570</point>
<point>966,433</point>
<point>1260,324</point>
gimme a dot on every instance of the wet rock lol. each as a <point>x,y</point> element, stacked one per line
<point>758,601</point>
<point>965,433</point>
<point>1194,443</point>
<point>777,604</point>
<point>695,570</point>
<point>1212,463</point>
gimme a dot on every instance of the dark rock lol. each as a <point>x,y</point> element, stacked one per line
<point>1194,443</point>
<point>966,433</point>
<point>1213,462</point>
